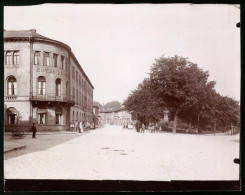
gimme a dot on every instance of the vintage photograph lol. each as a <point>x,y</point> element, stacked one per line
<point>130,92</point>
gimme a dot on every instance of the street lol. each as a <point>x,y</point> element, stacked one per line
<point>114,153</point>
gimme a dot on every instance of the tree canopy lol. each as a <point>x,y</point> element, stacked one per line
<point>180,86</point>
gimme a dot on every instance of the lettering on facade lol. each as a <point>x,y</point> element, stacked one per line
<point>51,71</point>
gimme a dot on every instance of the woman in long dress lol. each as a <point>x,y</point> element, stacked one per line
<point>80,127</point>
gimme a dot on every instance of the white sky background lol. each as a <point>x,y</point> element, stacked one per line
<point>117,44</point>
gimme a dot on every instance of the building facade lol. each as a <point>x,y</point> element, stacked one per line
<point>95,114</point>
<point>117,117</point>
<point>44,83</point>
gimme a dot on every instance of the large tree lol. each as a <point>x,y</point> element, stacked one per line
<point>142,103</point>
<point>179,84</point>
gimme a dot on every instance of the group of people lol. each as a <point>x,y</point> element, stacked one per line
<point>80,127</point>
<point>142,127</point>
<point>128,126</point>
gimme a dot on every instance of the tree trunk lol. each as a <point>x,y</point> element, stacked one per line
<point>175,121</point>
<point>231,128</point>
<point>214,126</point>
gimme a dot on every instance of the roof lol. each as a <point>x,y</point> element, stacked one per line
<point>113,110</point>
<point>22,33</point>
<point>32,34</point>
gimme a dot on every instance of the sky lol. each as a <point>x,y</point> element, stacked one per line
<point>116,45</point>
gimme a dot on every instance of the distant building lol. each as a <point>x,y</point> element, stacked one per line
<point>117,117</point>
<point>95,114</point>
<point>43,83</point>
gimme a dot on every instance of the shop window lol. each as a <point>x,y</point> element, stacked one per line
<point>41,85</point>
<point>58,116</point>
<point>37,58</point>
<point>42,118</point>
<point>58,87</point>
<point>12,86</point>
<point>12,116</point>
<point>46,59</point>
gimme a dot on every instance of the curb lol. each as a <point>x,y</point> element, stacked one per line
<point>16,148</point>
<point>49,133</point>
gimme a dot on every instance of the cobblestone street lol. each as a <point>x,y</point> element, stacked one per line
<point>114,153</point>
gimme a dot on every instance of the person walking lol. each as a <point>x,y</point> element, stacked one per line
<point>71,126</point>
<point>81,127</point>
<point>34,130</point>
<point>143,128</point>
<point>76,126</point>
<point>156,127</point>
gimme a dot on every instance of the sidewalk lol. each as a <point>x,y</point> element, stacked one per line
<point>46,133</point>
<point>11,144</point>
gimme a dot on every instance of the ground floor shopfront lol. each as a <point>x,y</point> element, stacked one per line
<point>49,116</point>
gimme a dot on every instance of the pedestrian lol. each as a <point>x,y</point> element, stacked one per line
<point>34,130</point>
<point>81,127</point>
<point>143,128</point>
<point>156,127</point>
<point>76,126</point>
<point>71,126</point>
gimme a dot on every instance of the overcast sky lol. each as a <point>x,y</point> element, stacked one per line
<point>117,44</point>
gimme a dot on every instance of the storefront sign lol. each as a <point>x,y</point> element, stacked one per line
<point>50,71</point>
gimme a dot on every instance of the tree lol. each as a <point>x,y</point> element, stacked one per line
<point>179,84</point>
<point>142,103</point>
<point>114,105</point>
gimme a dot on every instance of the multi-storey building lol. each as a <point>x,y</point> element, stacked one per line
<point>117,117</point>
<point>95,114</point>
<point>44,83</point>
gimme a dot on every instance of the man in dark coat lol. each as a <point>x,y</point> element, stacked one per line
<point>138,126</point>
<point>34,130</point>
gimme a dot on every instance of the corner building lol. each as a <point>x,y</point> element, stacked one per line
<point>44,83</point>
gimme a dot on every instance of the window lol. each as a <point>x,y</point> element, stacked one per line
<point>37,58</point>
<point>58,116</point>
<point>73,94</point>
<point>12,86</point>
<point>80,99</point>
<point>66,65</point>
<point>46,59</point>
<point>58,119</point>
<point>16,58</point>
<point>8,58</point>
<point>62,62</point>
<point>55,60</point>
<point>58,87</point>
<point>42,118</point>
<point>76,76</point>
<point>41,85</point>
<point>67,89</point>
<point>73,72</point>
<point>79,80</point>
<point>12,116</point>
<point>77,96</point>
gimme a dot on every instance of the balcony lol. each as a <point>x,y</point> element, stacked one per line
<point>51,98</point>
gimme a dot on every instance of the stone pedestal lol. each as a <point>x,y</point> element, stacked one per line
<point>165,117</point>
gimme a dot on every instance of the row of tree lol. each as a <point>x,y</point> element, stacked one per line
<point>180,86</point>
